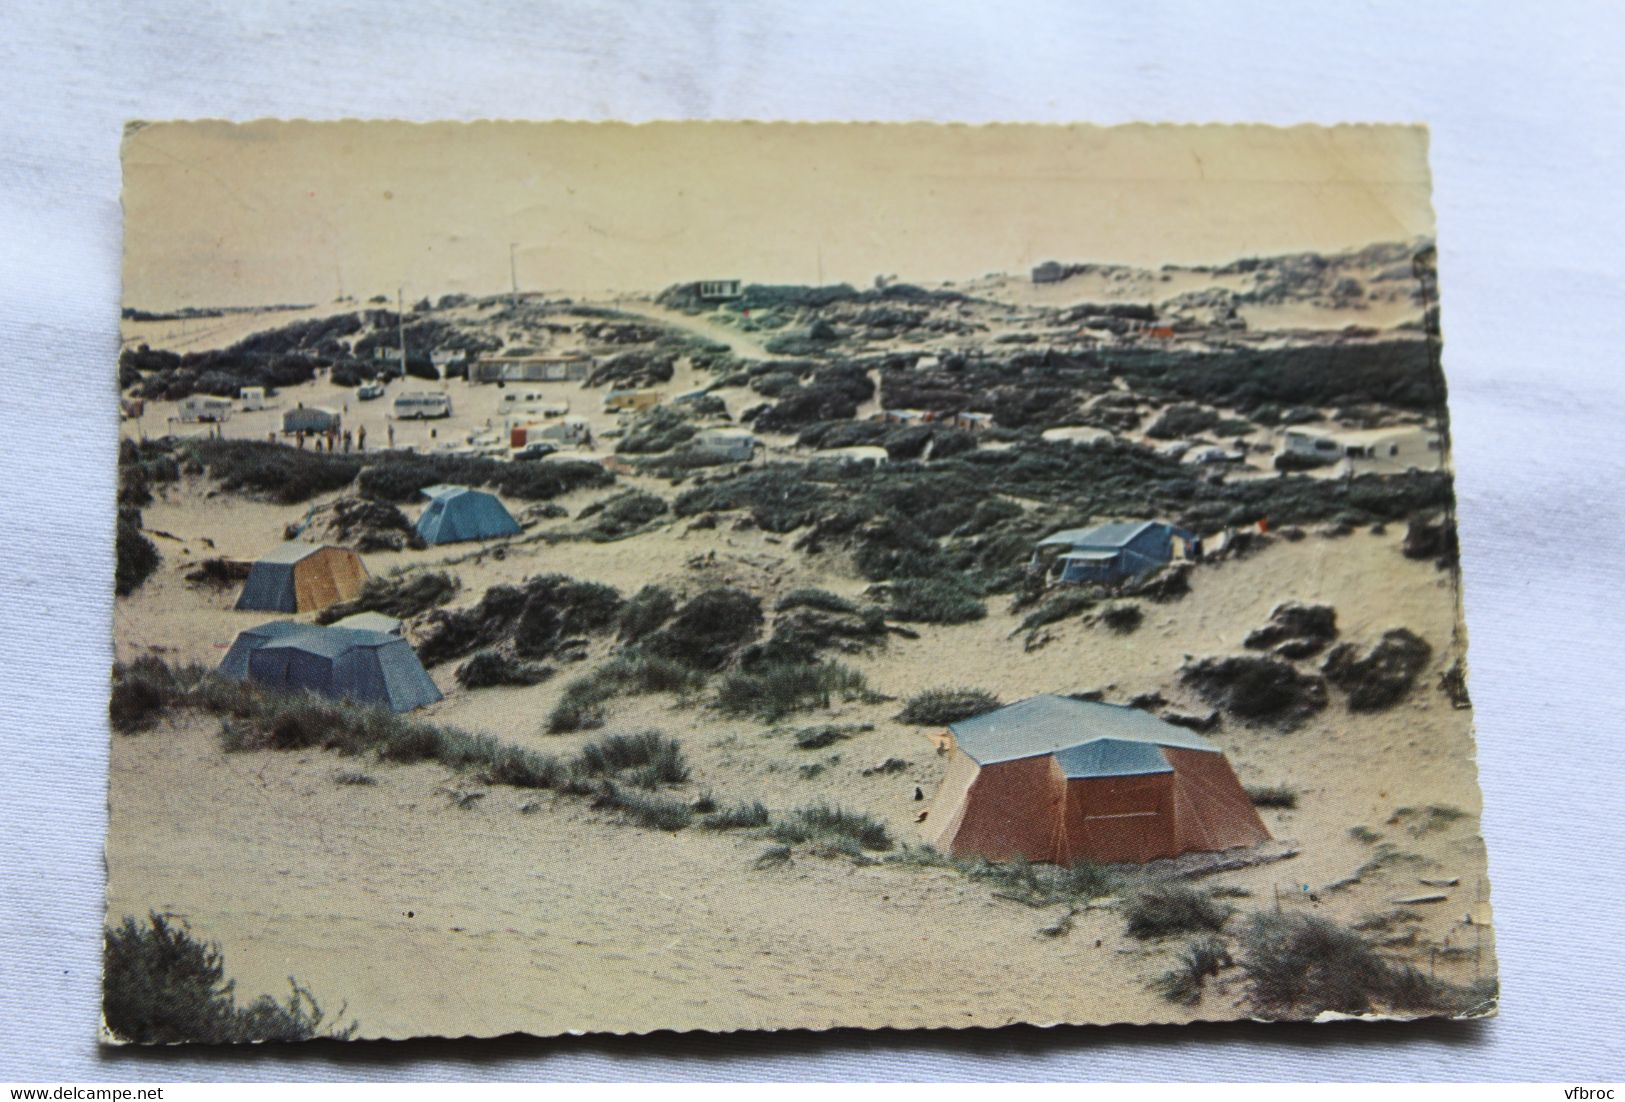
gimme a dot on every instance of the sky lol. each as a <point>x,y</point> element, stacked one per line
<point>223,214</point>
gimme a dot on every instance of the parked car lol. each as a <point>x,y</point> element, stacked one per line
<point>368,391</point>
<point>538,450</point>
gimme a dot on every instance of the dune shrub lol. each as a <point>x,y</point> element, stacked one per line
<point>824,823</point>
<point>1201,958</point>
<point>135,556</point>
<point>738,817</point>
<point>934,601</point>
<point>160,986</point>
<point>940,707</point>
<point>1301,964</point>
<point>1173,909</point>
<point>490,667</point>
<point>772,690</point>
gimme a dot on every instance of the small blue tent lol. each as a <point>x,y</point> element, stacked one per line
<point>456,513</point>
<point>364,667</point>
<point>1113,553</point>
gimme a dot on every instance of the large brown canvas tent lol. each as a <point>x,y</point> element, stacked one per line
<point>1062,780</point>
<point>302,577</point>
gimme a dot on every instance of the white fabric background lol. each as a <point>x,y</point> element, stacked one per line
<point>1525,106</point>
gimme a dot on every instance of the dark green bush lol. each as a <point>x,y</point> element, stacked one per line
<point>940,707</point>
<point>622,515</point>
<point>648,609</point>
<point>135,556</point>
<point>162,986</point>
<point>489,667</point>
<point>707,630</point>
<point>1202,957</point>
<point>401,596</point>
<point>143,689</point>
<point>1172,909</point>
<point>1301,964</point>
<point>934,601</point>
<point>283,474</point>
<point>771,691</point>
<point>823,823</point>
<point>738,817</point>
<point>646,750</point>
<point>1273,796</point>
<point>821,599</point>
<point>646,809</point>
<point>1122,618</point>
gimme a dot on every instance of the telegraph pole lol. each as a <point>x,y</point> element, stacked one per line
<point>513,269</point>
<point>400,322</point>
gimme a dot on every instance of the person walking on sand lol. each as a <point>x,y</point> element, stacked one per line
<point>300,437</point>
<point>361,439</point>
<point>391,436</point>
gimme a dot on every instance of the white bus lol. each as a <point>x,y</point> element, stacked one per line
<point>422,406</point>
<point>201,407</point>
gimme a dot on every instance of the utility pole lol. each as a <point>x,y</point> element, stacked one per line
<point>400,321</point>
<point>513,269</point>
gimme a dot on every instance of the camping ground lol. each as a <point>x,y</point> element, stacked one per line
<point>752,631</point>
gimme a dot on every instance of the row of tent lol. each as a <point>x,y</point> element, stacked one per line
<point>1051,778</point>
<point>302,577</point>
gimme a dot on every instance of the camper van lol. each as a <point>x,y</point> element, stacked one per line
<point>201,407</point>
<point>311,419</point>
<point>571,430</point>
<point>422,406</point>
<point>733,445</point>
<point>630,401</point>
<point>252,398</point>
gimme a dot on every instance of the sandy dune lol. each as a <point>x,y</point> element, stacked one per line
<point>561,918</point>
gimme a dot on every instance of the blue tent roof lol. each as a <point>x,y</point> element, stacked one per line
<point>1108,537</point>
<point>456,513</point>
<point>366,667</point>
<point>1112,758</point>
<point>1100,537</point>
<point>1063,726</point>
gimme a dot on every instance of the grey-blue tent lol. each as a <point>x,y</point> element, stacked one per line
<point>456,513</point>
<point>364,667</point>
<point>1113,553</point>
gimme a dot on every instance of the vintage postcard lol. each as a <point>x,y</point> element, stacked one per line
<point>729,576</point>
